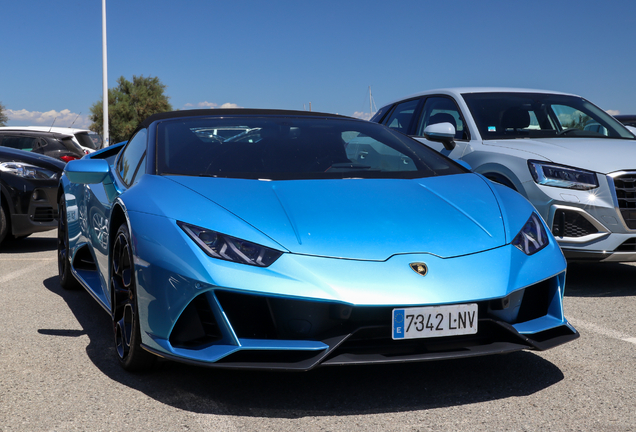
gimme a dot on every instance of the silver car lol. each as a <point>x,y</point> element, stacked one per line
<point>572,160</point>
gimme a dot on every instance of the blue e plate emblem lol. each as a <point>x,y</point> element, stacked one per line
<point>398,323</point>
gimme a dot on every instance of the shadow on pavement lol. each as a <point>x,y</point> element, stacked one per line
<point>325,391</point>
<point>600,280</point>
<point>30,244</point>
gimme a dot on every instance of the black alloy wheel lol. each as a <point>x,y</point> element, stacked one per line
<point>65,275</point>
<point>132,356</point>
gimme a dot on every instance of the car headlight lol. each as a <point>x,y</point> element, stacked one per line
<point>550,174</point>
<point>27,170</point>
<point>229,248</point>
<point>532,237</point>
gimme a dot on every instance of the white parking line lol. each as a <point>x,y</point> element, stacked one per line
<point>601,330</point>
<point>28,269</point>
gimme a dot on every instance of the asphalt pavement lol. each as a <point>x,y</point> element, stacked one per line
<point>58,372</point>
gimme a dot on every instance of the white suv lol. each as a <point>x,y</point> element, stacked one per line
<point>572,160</point>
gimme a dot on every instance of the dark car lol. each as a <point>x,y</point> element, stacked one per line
<point>56,145</point>
<point>28,201</point>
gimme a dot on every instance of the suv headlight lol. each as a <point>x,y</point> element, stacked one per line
<point>550,174</point>
<point>229,248</point>
<point>532,237</point>
<point>27,170</point>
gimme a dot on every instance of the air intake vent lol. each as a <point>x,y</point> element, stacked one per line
<point>627,246</point>
<point>44,214</point>
<point>568,223</point>
<point>196,326</point>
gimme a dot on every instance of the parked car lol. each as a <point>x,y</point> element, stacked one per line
<point>311,239</point>
<point>573,161</point>
<point>28,193</point>
<point>56,145</point>
<point>88,140</point>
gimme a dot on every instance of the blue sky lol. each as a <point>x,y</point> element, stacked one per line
<point>288,54</point>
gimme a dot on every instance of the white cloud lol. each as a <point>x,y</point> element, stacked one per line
<point>362,115</point>
<point>613,112</point>
<point>64,118</point>
<point>207,104</point>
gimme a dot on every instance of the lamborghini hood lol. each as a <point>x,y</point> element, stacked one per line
<point>367,219</point>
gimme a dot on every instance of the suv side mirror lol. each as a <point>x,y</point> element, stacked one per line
<point>441,132</point>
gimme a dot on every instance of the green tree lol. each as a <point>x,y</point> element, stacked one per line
<point>3,115</point>
<point>128,104</point>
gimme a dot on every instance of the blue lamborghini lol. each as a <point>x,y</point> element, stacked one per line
<point>290,240</point>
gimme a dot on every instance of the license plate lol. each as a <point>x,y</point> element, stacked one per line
<point>434,321</point>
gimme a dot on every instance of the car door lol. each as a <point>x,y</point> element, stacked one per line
<point>99,203</point>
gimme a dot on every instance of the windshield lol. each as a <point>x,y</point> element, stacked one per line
<point>540,115</point>
<point>285,148</point>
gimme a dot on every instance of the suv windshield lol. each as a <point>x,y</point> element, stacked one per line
<point>285,148</point>
<point>540,115</point>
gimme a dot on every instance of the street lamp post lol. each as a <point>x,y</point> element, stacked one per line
<point>104,75</point>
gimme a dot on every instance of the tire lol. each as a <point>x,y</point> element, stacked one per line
<point>4,226</point>
<point>65,275</point>
<point>132,357</point>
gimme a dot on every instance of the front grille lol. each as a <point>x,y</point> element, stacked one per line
<point>362,334</point>
<point>626,194</point>
<point>44,214</point>
<point>262,317</point>
<point>568,223</point>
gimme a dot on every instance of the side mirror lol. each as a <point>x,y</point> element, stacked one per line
<point>87,171</point>
<point>441,132</point>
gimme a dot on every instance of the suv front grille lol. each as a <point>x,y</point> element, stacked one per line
<point>626,194</point>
